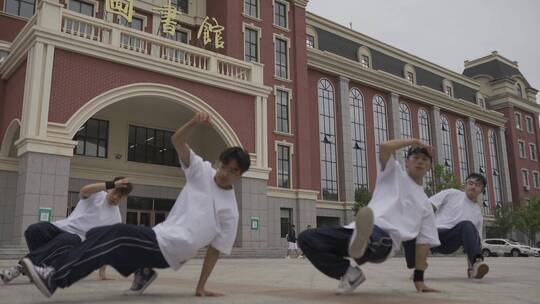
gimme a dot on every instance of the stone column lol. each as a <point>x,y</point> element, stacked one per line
<point>504,170</point>
<point>436,133</point>
<point>252,202</point>
<point>42,183</point>
<point>395,124</point>
<point>345,165</point>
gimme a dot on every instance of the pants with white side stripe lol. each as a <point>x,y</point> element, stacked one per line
<point>124,247</point>
<point>46,242</point>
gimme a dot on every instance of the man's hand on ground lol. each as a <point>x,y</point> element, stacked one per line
<point>206,293</point>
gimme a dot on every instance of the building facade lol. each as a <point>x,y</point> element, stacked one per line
<point>87,95</point>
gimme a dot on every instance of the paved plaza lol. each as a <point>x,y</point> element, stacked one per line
<point>511,280</point>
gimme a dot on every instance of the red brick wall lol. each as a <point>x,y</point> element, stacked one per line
<point>78,78</point>
<point>10,26</point>
<point>11,100</point>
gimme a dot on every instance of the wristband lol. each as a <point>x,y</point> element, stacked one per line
<point>109,185</point>
<point>418,276</point>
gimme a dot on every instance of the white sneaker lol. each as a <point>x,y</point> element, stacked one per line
<point>8,274</point>
<point>361,233</point>
<point>350,280</point>
<point>479,270</point>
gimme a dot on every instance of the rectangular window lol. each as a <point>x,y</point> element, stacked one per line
<point>282,111</point>
<point>529,122</point>
<point>525,175</point>
<point>181,36</point>
<point>310,41</point>
<point>532,151</point>
<point>284,163</point>
<point>365,61</point>
<point>151,146</point>
<point>23,8</point>
<point>92,139</point>
<point>517,117</point>
<point>521,148</point>
<point>281,66</point>
<point>536,179</point>
<point>410,77</point>
<point>128,41</point>
<point>81,7</point>
<point>280,14</point>
<point>285,220</point>
<point>181,5</point>
<point>251,45</point>
<point>251,8</point>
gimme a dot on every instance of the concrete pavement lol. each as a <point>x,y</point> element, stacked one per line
<point>511,280</point>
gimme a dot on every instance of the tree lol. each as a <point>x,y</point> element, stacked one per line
<point>527,218</point>
<point>362,196</point>
<point>443,178</point>
<point>504,220</point>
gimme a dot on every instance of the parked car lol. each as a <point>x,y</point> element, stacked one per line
<point>535,251</point>
<point>502,247</point>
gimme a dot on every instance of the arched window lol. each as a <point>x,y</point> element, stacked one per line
<point>405,123</point>
<point>379,117</point>
<point>494,156</point>
<point>446,143</point>
<point>482,166</point>
<point>425,136</point>
<point>327,129</point>
<point>462,151</point>
<point>519,89</point>
<point>358,135</point>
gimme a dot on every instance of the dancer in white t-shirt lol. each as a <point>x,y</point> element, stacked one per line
<point>459,223</point>
<point>204,214</point>
<point>47,241</point>
<point>398,211</point>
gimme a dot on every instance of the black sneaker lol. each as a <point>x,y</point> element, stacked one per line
<point>40,276</point>
<point>142,279</point>
<point>479,270</point>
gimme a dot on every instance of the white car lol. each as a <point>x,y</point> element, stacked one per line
<point>535,251</point>
<point>502,247</point>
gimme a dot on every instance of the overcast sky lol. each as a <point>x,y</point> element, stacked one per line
<point>447,32</point>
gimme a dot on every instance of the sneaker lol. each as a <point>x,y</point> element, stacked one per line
<point>361,233</point>
<point>40,276</point>
<point>479,270</point>
<point>8,274</point>
<point>142,279</point>
<point>350,280</point>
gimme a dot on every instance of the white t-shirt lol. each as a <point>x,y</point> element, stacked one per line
<point>90,212</point>
<point>453,206</point>
<point>203,214</point>
<point>401,207</point>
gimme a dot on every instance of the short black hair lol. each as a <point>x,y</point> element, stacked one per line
<point>123,191</point>
<point>413,150</point>
<point>479,177</point>
<point>237,153</point>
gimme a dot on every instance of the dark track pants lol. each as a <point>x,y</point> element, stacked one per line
<point>46,242</point>
<point>328,247</point>
<point>126,248</point>
<point>463,234</point>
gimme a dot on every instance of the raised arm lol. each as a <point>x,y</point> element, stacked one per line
<point>389,147</point>
<point>90,189</point>
<point>181,136</point>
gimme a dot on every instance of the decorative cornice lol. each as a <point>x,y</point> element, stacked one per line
<point>353,70</point>
<point>292,193</point>
<point>493,56</point>
<point>509,100</point>
<point>300,3</point>
<point>9,164</point>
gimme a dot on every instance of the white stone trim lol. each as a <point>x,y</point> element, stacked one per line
<point>9,164</point>
<point>525,178</point>
<point>292,193</point>
<point>251,26</point>
<point>287,19</point>
<point>312,32</point>
<point>9,139</point>
<point>537,174</point>
<point>527,119</point>
<point>322,204</point>
<point>448,84</point>
<point>289,92</point>
<point>408,68</point>
<point>524,155</point>
<point>282,37</point>
<point>291,153</point>
<point>533,156</point>
<point>256,18</point>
